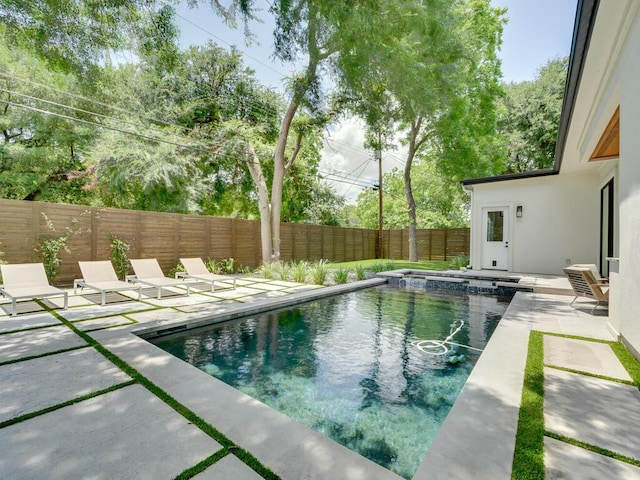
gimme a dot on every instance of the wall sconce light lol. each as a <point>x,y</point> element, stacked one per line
<point>519,211</point>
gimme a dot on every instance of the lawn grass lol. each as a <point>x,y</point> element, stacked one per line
<point>528,459</point>
<point>395,264</point>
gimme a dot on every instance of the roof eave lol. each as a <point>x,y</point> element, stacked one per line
<point>586,11</point>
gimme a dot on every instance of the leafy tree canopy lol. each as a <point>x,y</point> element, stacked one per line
<point>530,117</point>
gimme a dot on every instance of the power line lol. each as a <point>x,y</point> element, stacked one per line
<point>100,115</point>
<point>108,127</point>
<point>87,99</point>
<point>231,45</point>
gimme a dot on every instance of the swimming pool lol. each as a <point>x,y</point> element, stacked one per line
<point>349,366</point>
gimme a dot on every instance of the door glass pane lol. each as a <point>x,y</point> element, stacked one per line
<point>495,221</point>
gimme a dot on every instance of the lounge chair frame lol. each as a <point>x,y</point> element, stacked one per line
<point>28,281</point>
<point>99,275</point>
<point>584,284</point>
<point>148,272</point>
<point>197,270</point>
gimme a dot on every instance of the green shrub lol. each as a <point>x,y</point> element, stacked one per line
<point>360,272</point>
<point>227,265</point>
<point>319,272</point>
<point>48,248</point>
<point>119,258</point>
<point>267,270</point>
<point>341,275</point>
<point>299,270</point>
<point>461,261</point>
<point>178,268</point>
<point>282,269</point>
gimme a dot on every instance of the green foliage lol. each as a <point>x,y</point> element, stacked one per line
<point>267,270</point>
<point>48,247</point>
<point>178,268</point>
<point>77,35</point>
<point>300,270</point>
<point>341,275</point>
<point>360,271</point>
<point>440,202</point>
<point>383,266</point>
<point>319,272</point>
<point>119,258</point>
<point>282,269</point>
<point>459,262</point>
<point>222,266</point>
<point>41,155</point>
<point>530,117</point>
<point>528,460</point>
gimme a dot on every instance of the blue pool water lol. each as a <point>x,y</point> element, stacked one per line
<point>348,366</point>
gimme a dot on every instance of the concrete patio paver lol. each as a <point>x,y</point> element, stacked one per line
<point>592,410</point>
<point>590,357</point>
<point>22,322</point>
<point>129,421</point>
<point>229,467</point>
<point>39,383</point>
<point>127,433</point>
<point>568,462</point>
<point>29,343</point>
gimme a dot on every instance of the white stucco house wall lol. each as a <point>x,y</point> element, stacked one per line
<point>586,209</point>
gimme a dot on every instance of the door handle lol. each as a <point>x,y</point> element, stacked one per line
<point>506,244</point>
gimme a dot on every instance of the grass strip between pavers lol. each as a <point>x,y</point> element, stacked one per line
<point>626,358</point>
<point>226,443</point>
<point>593,448</point>
<point>528,458</point>
<point>46,354</point>
<point>58,406</point>
<point>203,465</point>
<point>593,375</point>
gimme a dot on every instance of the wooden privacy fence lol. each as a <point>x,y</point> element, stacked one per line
<point>169,236</point>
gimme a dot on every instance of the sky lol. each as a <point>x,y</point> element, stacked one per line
<point>536,31</point>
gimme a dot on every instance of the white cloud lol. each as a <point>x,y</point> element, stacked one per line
<point>344,155</point>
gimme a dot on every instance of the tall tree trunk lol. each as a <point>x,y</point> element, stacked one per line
<point>411,209</point>
<point>279,169</point>
<point>411,203</point>
<point>255,169</point>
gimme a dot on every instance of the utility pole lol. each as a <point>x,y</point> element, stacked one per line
<point>378,156</point>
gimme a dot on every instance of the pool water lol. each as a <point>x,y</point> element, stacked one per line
<point>348,366</point>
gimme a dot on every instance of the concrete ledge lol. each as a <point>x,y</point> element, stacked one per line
<point>477,439</point>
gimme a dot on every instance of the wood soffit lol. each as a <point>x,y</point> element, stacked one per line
<point>609,143</point>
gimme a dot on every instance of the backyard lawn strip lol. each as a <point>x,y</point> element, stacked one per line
<point>528,461</point>
<point>227,444</point>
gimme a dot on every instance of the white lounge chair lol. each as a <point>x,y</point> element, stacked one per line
<point>99,275</point>
<point>27,281</point>
<point>196,269</point>
<point>148,272</point>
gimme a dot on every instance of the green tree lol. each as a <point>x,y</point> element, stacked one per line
<point>41,155</point>
<point>437,64</point>
<point>530,116</point>
<point>440,202</point>
<point>79,35</point>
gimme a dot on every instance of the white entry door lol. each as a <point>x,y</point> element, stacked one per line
<point>495,234</point>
